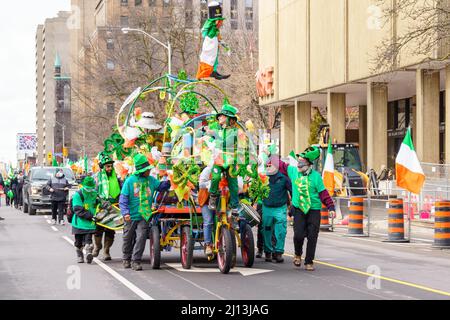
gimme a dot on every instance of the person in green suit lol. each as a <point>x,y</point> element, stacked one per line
<point>84,205</point>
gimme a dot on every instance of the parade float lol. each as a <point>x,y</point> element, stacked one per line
<point>179,149</point>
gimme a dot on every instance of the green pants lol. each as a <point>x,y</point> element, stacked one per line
<point>233,186</point>
<point>274,223</point>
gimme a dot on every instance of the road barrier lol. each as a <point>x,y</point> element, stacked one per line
<point>324,219</point>
<point>442,225</point>
<point>396,221</point>
<point>356,218</point>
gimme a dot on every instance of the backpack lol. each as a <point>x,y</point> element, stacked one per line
<point>70,212</point>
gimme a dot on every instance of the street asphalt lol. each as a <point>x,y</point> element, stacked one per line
<point>38,261</point>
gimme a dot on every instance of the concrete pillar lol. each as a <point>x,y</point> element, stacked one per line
<point>287,130</point>
<point>447,114</point>
<point>377,110</point>
<point>336,109</point>
<point>427,115</point>
<point>363,134</point>
<point>302,124</point>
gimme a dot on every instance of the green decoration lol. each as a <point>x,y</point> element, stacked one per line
<point>190,103</point>
<point>258,190</point>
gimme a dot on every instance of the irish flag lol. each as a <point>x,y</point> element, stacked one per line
<point>328,171</point>
<point>408,171</point>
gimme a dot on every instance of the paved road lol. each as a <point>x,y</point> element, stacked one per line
<point>38,262</point>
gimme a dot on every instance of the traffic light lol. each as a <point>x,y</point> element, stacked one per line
<point>49,158</point>
<point>65,152</point>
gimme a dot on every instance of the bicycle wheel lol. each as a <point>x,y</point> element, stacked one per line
<point>225,247</point>
<point>155,248</point>
<point>186,247</point>
<point>248,247</point>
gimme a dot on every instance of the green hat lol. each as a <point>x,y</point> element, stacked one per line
<point>141,163</point>
<point>310,154</point>
<point>88,183</point>
<point>229,111</point>
<point>104,160</point>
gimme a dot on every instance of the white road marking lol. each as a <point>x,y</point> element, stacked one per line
<point>49,222</point>
<point>196,285</point>
<point>244,271</point>
<point>419,239</point>
<point>54,228</point>
<point>118,277</point>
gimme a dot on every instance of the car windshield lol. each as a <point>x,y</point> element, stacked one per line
<point>47,173</point>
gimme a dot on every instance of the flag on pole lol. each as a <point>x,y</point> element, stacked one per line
<point>293,159</point>
<point>328,171</point>
<point>408,171</point>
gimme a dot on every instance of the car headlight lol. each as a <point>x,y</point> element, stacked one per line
<point>35,191</point>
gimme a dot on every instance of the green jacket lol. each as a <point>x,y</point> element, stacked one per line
<point>84,211</point>
<point>226,140</point>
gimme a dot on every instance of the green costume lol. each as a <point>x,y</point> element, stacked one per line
<point>226,141</point>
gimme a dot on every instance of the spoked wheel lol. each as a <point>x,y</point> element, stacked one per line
<point>233,241</point>
<point>225,247</point>
<point>155,249</point>
<point>186,247</point>
<point>248,247</point>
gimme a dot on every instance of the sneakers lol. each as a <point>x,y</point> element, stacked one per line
<point>297,261</point>
<point>209,250</point>
<point>80,256</point>
<point>53,221</point>
<point>62,222</point>
<point>268,256</point>
<point>126,264</point>
<point>89,257</point>
<point>1,218</point>
<point>136,266</point>
<point>259,254</point>
<point>309,267</point>
<point>278,257</point>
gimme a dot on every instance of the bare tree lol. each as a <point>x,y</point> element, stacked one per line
<point>427,34</point>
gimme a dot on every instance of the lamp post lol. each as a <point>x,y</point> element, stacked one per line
<point>167,46</point>
<point>63,138</point>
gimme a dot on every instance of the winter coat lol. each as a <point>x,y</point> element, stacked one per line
<point>58,185</point>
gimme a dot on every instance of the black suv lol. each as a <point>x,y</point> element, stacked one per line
<point>35,196</point>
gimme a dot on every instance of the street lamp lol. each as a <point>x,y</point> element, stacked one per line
<point>168,46</point>
<point>63,137</point>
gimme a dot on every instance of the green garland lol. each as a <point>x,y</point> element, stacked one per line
<point>258,190</point>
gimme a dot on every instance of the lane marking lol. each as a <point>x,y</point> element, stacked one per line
<point>405,283</point>
<point>118,277</point>
<point>54,228</point>
<point>49,222</point>
<point>196,285</point>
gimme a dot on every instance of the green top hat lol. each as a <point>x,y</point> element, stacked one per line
<point>88,183</point>
<point>229,111</point>
<point>141,163</point>
<point>104,160</point>
<point>310,154</point>
<point>215,11</point>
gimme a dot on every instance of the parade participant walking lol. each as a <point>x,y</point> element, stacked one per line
<point>59,189</point>
<point>14,183</point>
<point>85,202</point>
<point>226,141</point>
<point>19,187</point>
<point>308,194</point>
<point>274,220</point>
<point>135,204</point>
<point>108,187</point>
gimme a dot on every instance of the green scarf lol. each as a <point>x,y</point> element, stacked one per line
<point>210,29</point>
<point>108,187</point>
<point>302,185</point>
<point>145,206</point>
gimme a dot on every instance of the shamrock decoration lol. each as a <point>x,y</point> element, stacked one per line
<point>114,144</point>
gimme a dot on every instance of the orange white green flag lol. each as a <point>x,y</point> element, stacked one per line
<point>328,171</point>
<point>408,171</point>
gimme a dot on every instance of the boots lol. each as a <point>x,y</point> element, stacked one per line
<point>212,202</point>
<point>108,244</point>
<point>89,257</point>
<point>80,255</point>
<point>218,76</point>
<point>98,245</point>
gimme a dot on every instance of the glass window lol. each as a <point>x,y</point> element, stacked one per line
<point>47,173</point>
<point>67,97</point>
<point>110,64</point>
<point>137,2</point>
<point>124,2</point>
<point>124,21</point>
<point>110,44</point>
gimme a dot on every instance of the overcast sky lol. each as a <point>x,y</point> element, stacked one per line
<point>18,22</point>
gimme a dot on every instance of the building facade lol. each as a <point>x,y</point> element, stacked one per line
<point>319,53</point>
<point>52,41</point>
